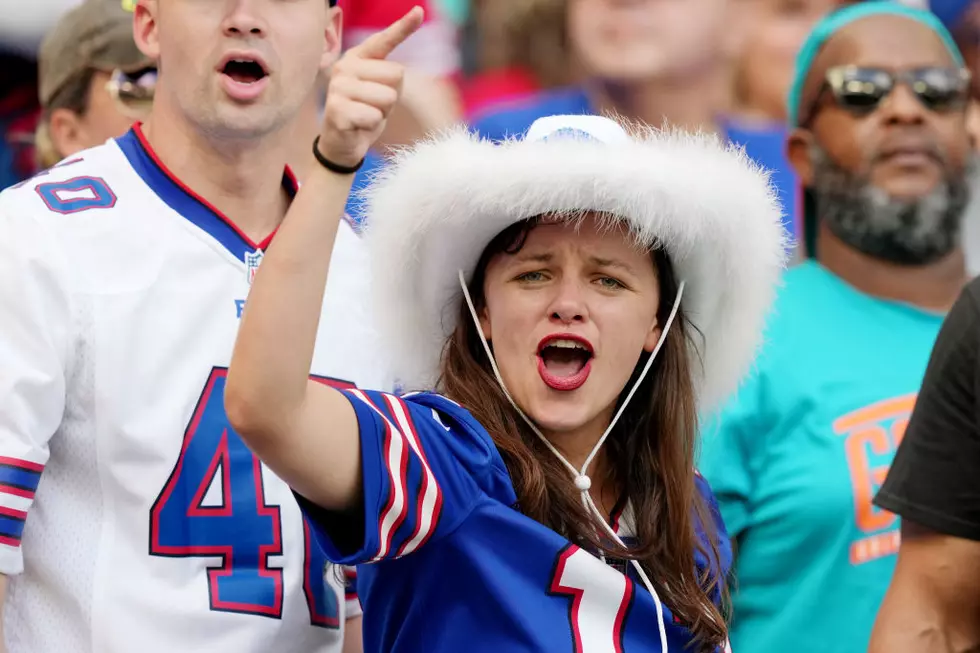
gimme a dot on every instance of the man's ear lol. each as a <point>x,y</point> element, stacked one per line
<point>145,28</point>
<point>798,146</point>
<point>67,132</point>
<point>973,122</point>
<point>333,37</point>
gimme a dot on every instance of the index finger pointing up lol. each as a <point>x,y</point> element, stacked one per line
<point>380,45</point>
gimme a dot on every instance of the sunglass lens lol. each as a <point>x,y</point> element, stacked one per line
<point>862,89</point>
<point>940,89</point>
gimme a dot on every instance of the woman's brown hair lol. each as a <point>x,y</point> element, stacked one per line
<point>651,455</point>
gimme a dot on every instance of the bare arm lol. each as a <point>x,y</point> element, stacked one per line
<point>298,427</point>
<point>353,639</point>
<point>933,603</point>
<point>269,400</point>
<point>3,602</point>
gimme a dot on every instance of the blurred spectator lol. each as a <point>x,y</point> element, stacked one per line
<point>881,147</point>
<point>655,61</point>
<point>773,32</point>
<point>962,17</point>
<point>18,118</point>
<point>520,48</point>
<point>630,52</point>
<point>94,82</point>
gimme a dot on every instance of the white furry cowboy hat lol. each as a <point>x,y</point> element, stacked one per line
<point>436,207</point>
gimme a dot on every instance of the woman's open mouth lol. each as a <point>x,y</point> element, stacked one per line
<point>564,361</point>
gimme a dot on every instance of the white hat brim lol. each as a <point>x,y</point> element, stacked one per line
<point>434,209</point>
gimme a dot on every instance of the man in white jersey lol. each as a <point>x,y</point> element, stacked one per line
<point>132,518</point>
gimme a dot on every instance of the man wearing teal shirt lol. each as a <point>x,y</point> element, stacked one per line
<point>879,142</point>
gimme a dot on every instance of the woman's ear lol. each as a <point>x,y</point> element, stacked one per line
<point>653,337</point>
<point>67,132</point>
<point>485,322</point>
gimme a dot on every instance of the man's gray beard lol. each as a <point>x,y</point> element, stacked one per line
<point>903,231</point>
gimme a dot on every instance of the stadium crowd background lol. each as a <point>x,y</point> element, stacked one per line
<point>718,65</point>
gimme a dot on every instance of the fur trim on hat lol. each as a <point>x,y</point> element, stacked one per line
<point>435,208</point>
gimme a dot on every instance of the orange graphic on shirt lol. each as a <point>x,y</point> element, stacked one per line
<point>872,434</point>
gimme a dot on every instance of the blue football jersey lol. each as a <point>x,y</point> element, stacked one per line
<point>456,566</point>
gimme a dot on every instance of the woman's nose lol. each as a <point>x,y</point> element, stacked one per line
<point>568,305</point>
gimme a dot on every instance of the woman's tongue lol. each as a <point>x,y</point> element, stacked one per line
<point>562,362</point>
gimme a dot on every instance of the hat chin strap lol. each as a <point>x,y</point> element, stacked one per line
<point>582,480</point>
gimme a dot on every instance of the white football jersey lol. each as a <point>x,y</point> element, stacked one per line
<point>132,518</point>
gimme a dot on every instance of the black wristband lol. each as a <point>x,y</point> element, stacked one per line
<point>330,165</point>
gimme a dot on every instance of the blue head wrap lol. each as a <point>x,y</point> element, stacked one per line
<point>832,23</point>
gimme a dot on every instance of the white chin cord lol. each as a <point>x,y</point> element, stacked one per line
<point>582,480</point>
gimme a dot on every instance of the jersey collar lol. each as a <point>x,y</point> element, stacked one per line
<point>187,203</point>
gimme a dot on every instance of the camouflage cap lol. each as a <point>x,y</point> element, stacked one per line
<point>97,34</point>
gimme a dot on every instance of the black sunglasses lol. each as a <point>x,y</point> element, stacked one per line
<point>133,91</point>
<point>860,90</point>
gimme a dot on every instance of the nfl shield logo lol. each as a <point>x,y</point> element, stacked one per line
<point>252,261</point>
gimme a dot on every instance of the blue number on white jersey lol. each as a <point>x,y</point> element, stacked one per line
<point>241,530</point>
<point>76,195</point>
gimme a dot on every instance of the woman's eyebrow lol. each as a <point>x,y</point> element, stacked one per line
<point>600,262</point>
<point>541,257</point>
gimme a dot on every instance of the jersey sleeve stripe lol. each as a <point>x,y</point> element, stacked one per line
<point>20,476</point>
<point>12,513</point>
<point>12,526</point>
<point>430,498</point>
<point>16,491</point>
<point>396,464</point>
<point>22,464</point>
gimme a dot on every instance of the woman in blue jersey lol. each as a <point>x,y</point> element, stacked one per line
<point>575,298</point>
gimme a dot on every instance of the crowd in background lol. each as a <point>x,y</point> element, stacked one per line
<point>716,65</point>
<point>799,456</point>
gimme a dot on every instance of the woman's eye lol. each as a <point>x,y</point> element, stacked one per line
<point>609,282</point>
<point>531,276</point>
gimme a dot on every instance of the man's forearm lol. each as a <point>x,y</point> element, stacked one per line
<point>933,602</point>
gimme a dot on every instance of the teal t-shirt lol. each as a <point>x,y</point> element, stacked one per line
<point>797,456</point>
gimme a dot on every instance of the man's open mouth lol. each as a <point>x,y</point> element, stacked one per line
<point>244,71</point>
